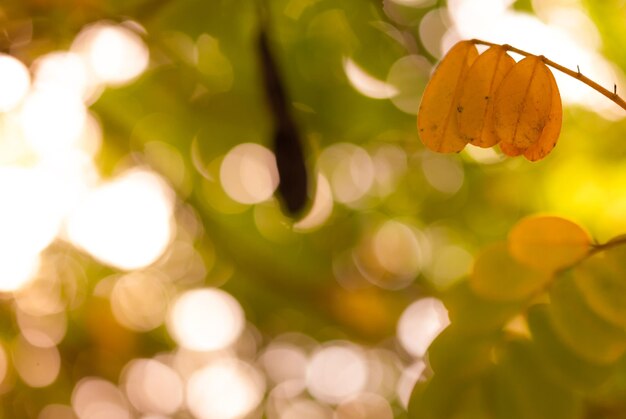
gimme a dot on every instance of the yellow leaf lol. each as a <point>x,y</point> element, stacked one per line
<point>551,131</point>
<point>475,106</point>
<point>522,103</point>
<point>436,119</point>
<point>548,243</point>
<point>498,276</point>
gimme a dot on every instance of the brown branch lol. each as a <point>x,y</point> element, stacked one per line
<point>612,95</point>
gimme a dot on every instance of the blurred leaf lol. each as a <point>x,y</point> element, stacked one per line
<point>473,314</point>
<point>560,361</point>
<point>548,243</point>
<point>580,328</point>
<point>602,282</point>
<point>520,388</point>
<point>498,276</point>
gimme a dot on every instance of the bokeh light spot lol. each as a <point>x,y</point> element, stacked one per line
<point>95,398</point>
<point>116,54</point>
<point>442,172</point>
<point>321,209</point>
<point>126,222</point>
<point>397,249</point>
<point>365,406</point>
<point>284,362</point>
<point>153,387</point>
<point>65,71</point>
<point>224,389</point>
<point>52,119</point>
<point>36,366</point>
<point>205,319</point>
<point>248,173</point>
<point>350,171</point>
<point>139,300</point>
<point>365,84</point>
<point>337,371</point>
<point>409,75</point>
<point>420,324</point>
<point>14,82</point>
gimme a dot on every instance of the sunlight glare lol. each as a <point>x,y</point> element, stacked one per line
<point>52,119</point>
<point>125,222</point>
<point>14,82</point>
<point>205,319</point>
<point>116,54</point>
<point>17,269</point>
<point>64,71</point>
<point>559,39</point>
<point>30,218</point>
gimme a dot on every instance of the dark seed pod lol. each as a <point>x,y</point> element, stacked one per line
<point>293,185</point>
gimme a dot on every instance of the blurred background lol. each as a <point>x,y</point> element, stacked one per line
<point>146,268</point>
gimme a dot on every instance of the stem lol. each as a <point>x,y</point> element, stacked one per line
<point>612,95</point>
<point>614,242</point>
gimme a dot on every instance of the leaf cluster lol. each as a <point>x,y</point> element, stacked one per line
<point>490,99</point>
<point>538,331</point>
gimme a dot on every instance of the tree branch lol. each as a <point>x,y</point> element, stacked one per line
<point>612,95</point>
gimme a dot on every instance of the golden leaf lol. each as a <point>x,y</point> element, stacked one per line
<point>475,105</point>
<point>436,119</point>
<point>548,243</point>
<point>522,105</point>
<point>551,131</point>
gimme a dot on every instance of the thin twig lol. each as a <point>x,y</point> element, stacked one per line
<point>575,74</point>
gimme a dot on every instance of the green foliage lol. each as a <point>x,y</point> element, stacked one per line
<point>537,307</point>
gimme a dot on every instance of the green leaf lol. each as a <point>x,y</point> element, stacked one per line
<point>519,388</point>
<point>474,314</point>
<point>580,328</point>
<point>455,353</point>
<point>560,361</point>
<point>498,276</point>
<point>602,282</point>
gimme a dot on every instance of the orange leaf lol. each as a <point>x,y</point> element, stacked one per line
<point>548,243</point>
<point>510,150</point>
<point>551,131</point>
<point>523,103</point>
<point>436,120</point>
<point>475,106</point>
